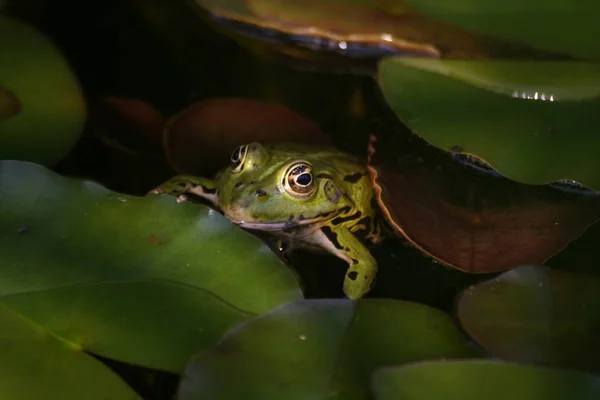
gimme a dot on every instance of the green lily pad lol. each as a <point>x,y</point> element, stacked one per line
<point>35,365</point>
<point>529,21</point>
<point>479,379</point>
<point>536,315</point>
<point>58,232</point>
<point>534,123</point>
<point>320,349</point>
<point>156,324</point>
<point>42,109</point>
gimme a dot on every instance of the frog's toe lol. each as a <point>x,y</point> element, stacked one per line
<point>357,284</point>
<point>182,198</point>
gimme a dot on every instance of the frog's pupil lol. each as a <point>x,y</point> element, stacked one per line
<point>304,179</point>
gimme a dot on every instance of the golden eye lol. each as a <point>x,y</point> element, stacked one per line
<point>299,180</point>
<point>237,158</point>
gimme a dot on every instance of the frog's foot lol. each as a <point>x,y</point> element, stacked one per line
<point>180,185</point>
<point>362,266</point>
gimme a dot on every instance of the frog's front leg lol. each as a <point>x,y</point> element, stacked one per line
<point>181,184</point>
<point>362,266</point>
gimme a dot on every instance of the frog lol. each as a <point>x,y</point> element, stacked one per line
<point>318,198</point>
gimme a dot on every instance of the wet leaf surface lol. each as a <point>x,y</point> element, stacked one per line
<point>320,349</point>
<point>46,107</point>
<point>534,123</point>
<point>478,379</point>
<point>200,139</point>
<point>157,324</point>
<point>470,219</point>
<point>57,232</point>
<point>536,315</point>
<point>34,364</point>
<point>530,22</point>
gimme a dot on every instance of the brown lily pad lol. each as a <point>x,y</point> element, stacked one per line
<point>200,139</point>
<point>358,28</point>
<point>468,219</point>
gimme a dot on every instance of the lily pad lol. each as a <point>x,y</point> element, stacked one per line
<point>320,349</point>
<point>533,123</point>
<point>57,232</point>
<point>536,315</point>
<point>156,324</point>
<point>529,21</point>
<point>42,109</point>
<point>469,218</point>
<point>35,365</point>
<point>354,28</point>
<point>482,379</point>
<point>200,139</point>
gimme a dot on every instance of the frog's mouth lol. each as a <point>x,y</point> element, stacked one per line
<point>275,225</point>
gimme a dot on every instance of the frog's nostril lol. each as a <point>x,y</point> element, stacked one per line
<point>238,185</point>
<point>260,193</point>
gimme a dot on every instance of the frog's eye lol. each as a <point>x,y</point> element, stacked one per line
<point>299,180</point>
<point>237,158</point>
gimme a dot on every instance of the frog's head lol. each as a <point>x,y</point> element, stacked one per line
<point>275,188</point>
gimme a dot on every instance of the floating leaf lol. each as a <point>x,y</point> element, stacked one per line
<point>536,315</point>
<point>469,219</point>
<point>531,129</point>
<point>59,232</point>
<point>48,109</point>
<point>200,139</point>
<point>529,21</point>
<point>151,323</point>
<point>478,379</point>
<point>35,364</point>
<point>320,349</point>
<point>357,28</point>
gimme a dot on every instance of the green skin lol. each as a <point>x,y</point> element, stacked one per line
<point>309,197</point>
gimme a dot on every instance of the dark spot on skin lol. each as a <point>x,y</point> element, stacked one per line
<point>252,182</point>
<point>346,249</point>
<point>260,193</point>
<point>354,261</point>
<point>339,220</point>
<point>291,218</point>
<point>301,217</point>
<point>344,210</point>
<point>353,274</point>
<point>373,203</point>
<point>366,221</point>
<point>353,178</point>
<point>208,190</point>
<point>238,185</point>
<point>332,236</point>
<point>325,176</point>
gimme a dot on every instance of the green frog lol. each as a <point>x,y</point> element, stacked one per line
<point>309,197</point>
